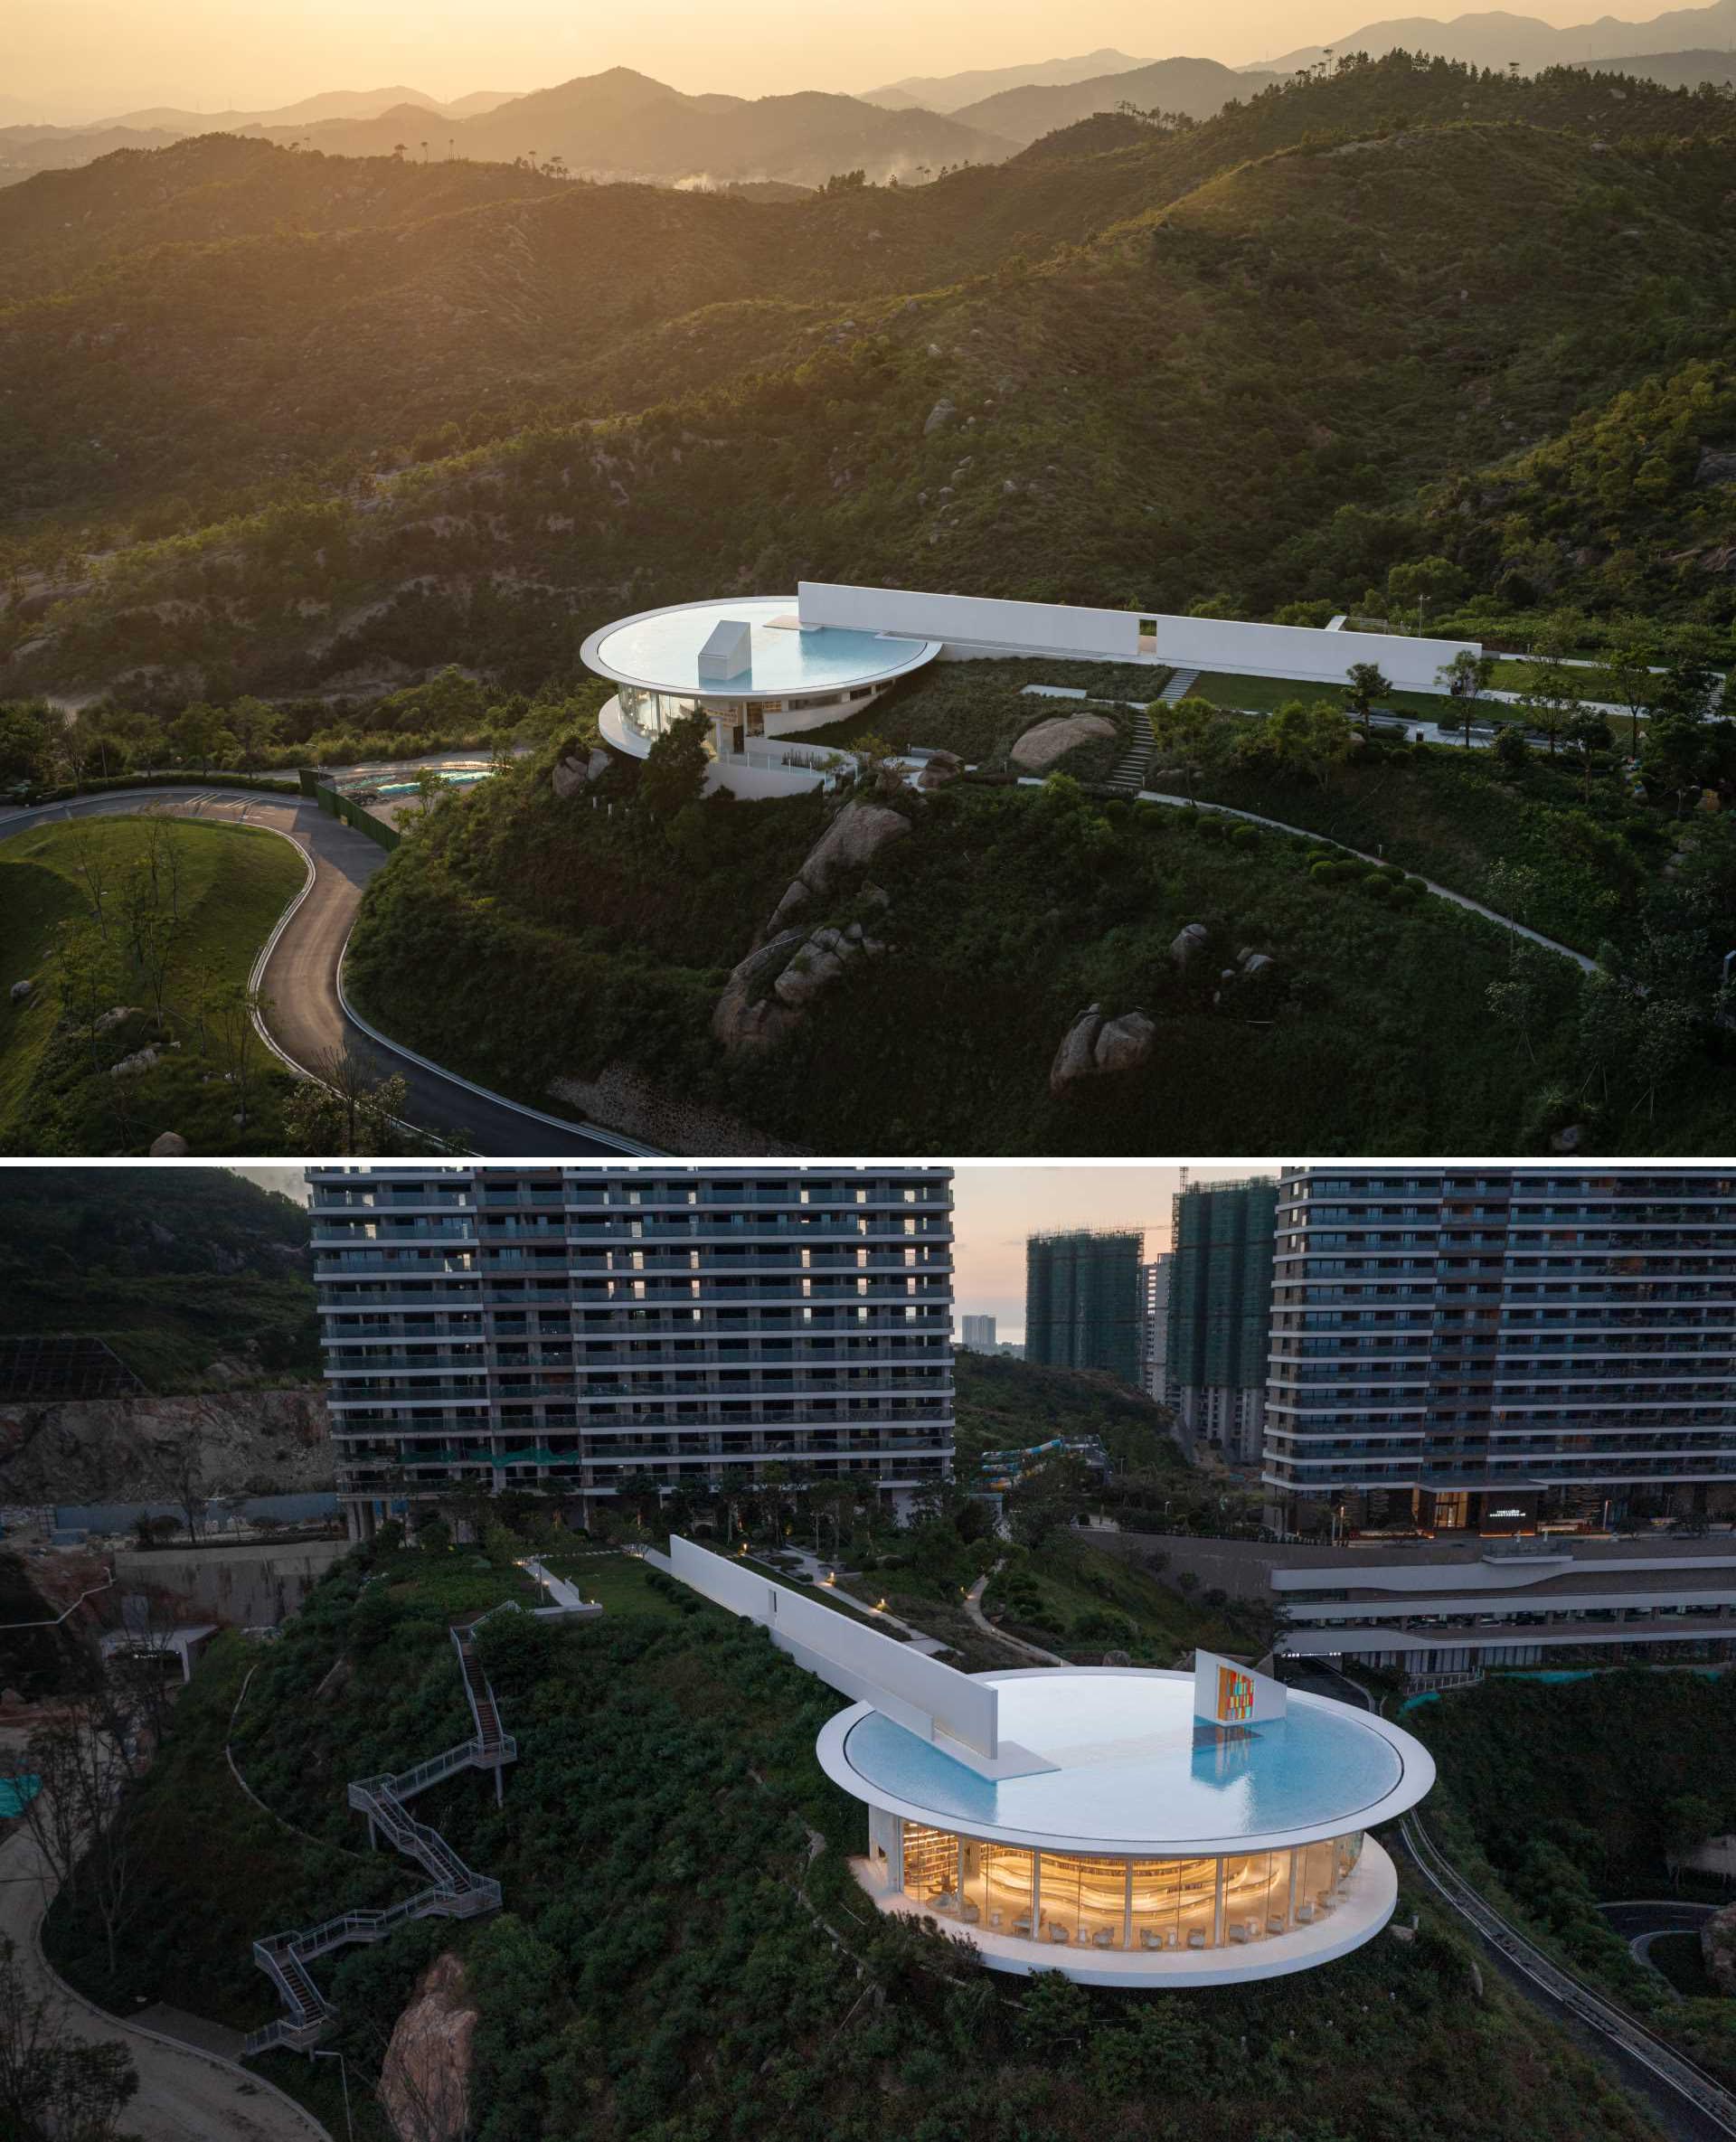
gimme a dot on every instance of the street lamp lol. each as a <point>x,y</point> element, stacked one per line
<point>315,2053</point>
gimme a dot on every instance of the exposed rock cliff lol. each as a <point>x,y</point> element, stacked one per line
<point>425,2080</point>
<point>255,1443</point>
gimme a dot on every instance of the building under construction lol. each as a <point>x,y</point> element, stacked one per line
<point>1221,1313</point>
<point>1083,1300</point>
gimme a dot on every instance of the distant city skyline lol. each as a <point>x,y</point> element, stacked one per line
<point>996,1206</point>
<point>72,61</point>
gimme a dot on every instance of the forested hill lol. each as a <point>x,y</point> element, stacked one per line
<point>171,1266</point>
<point>421,415</point>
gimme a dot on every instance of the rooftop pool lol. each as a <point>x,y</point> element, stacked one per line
<point>1133,1768</point>
<point>661,650</point>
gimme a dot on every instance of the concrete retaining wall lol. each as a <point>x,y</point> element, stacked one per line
<point>249,1587</point>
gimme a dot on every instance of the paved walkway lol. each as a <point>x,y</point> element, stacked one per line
<point>974,1614</point>
<point>183,2095</point>
<point>300,970</point>
<point>1460,899</point>
<point>562,1593</point>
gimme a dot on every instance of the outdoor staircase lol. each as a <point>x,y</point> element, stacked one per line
<point>1130,775</point>
<point>456,1890</point>
<point>1134,766</point>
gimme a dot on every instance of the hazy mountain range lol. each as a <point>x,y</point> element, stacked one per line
<point>621,124</point>
<point>1497,39</point>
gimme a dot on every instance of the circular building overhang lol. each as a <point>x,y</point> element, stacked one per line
<point>1131,1773</point>
<point>660,650</point>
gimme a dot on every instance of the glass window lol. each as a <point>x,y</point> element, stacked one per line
<point>997,1890</point>
<point>1256,1895</point>
<point>1084,1900</point>
<point>1174,1900</point>
<point>931,1866</point>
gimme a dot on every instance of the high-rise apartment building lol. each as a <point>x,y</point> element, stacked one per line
<point>1220,1313</point>
<point>979,1334</point>
<point>568,1330</point>
<point>1501,1348</point>
<point>1083,1301</point>
<point>1153,1328</point>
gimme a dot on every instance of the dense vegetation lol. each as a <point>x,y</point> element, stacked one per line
<point>349,421</point>
<point>172,1268</point>
<point>1555,1796</point>
<point>137,935</point>
<point>525,940</point>
<point>685,1952</point>
<point>1004,1404</point>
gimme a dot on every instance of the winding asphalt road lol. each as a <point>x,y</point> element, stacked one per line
<point>183,2095</point>
<point>306,1019</point>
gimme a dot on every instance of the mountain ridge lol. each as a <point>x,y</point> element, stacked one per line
<point>1495,38</point>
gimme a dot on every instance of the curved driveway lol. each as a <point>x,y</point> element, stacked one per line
<point>306,1019</point>
<point>183,2095</point>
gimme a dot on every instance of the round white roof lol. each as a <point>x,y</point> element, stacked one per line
<point>1133,1772</point>
<point>660,650</point>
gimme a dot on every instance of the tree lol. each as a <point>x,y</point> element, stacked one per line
<point>1364,683</point>
<point>85,978</point>
<point>1056,2012</point>
<point>1691,676</point>
<point>346,1108</point>
<point>1193,737</point>
<point>1424,582</point>
<point>1588,736</point>
<point>675,766</point>
<point>199,735</point>
<point>1674,756</point>
<point>55,2087</point>
<point>1550,696</point>
<point>25,729</point>
<point>1308,740</point>
<point>255,727</point>
<point>232,1012</point>
<point>1629,665</point>
<point>1512,751</point>
<point>1466,680</point>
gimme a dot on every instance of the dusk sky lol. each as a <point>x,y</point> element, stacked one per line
<point>73,60</point>
<point>995,1207</point>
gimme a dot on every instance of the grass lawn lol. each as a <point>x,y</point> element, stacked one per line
<point>619,1583</point>
<point>1265,695</point>
<point>1068,1597</point>
<point>234,883</point>
<point>979,709</point>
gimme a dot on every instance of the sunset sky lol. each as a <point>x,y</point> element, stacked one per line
<point>995,1207</point>
<point>71,59</point>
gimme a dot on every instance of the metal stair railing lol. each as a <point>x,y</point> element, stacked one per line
<point>457,1890</point>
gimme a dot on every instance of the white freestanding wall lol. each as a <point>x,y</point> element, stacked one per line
<point>1301,651</point>
<point>976,620</point>
<point>955,1711</point>
<point>980,624</point>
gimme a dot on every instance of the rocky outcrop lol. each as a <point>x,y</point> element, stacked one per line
<point>170,1145</point>
<point>425,2079</point>
<point>1051,740</point>
<point>573,772</point>
<point>1094,1046</point>
<point>1191,943</point>
<point>769,991</point>
<point>1718,1947</point>
<point>938,768</point>
<point>850,842</point>
<point>251,1442</point>
<point>20,990</point>
<point>939,417</point>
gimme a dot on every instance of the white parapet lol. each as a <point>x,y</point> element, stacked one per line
<point>956,1712</point>
<point>1017,628</point>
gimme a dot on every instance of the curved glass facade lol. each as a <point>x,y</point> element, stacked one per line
<point>1108,1901</point>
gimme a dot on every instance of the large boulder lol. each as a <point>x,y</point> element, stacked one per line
<point>1049,740</point>
<point>425,2079</point>
<point>748,1015</point>
<point>1191,943</point>
<point>851,842</point>
<point>1093,1047</point>
<point>573,773</point>
<point>170,1145</point>
<point>939,417</point>
<point>20,990</point>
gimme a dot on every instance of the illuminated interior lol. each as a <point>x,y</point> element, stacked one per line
<point>1108,1901</point>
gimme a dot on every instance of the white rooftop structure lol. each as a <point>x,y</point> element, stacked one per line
<point>1129,1827</point>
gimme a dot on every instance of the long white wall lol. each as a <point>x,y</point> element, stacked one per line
<point>1301,651</point>
<point>931,1700</point>
<point>1033,628</point>
<point>982,625</point>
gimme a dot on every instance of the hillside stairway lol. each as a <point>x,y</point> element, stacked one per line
<point>455,1890</point>
<point>1134,766</point>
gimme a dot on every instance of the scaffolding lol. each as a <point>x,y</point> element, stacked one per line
<point>37,1367</point>
<point>1083,1300</point>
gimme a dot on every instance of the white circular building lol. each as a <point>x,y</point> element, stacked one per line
<point>1135,1837</point>
<point>760,674</point>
